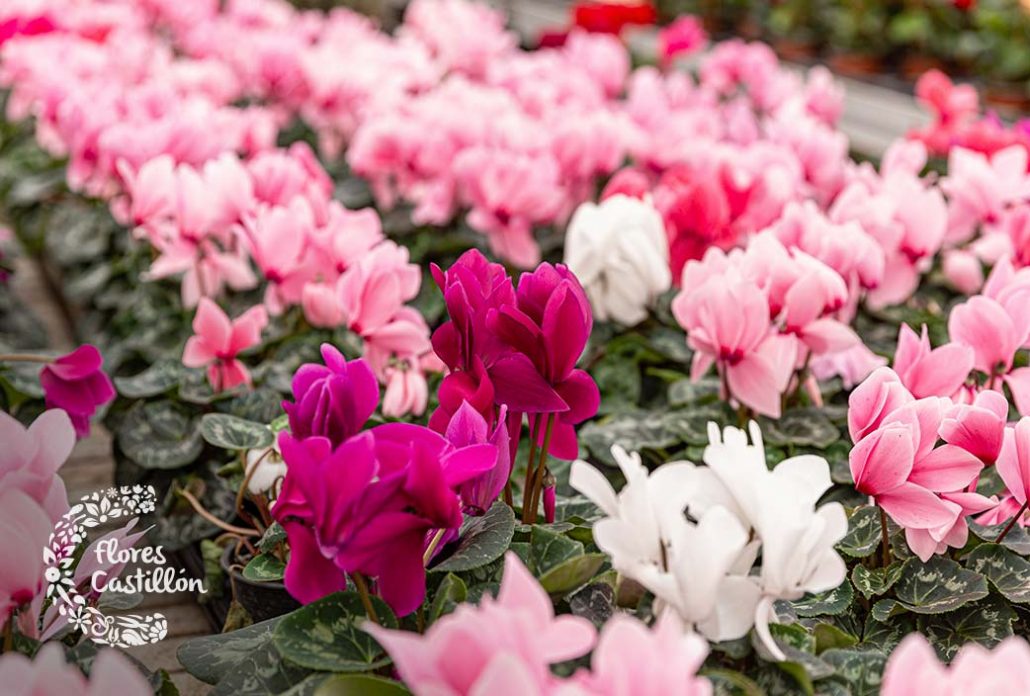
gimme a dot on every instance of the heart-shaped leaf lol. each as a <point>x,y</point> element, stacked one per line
<point>807,427</point>
<point>264,568</point>
<point>326,635</point>
<point>233,433</point>
<point>829,603</point>
<point>863,534</point>
<point>1008,572</point>
<point>874,582</point>
<point>483,540</point>
<point>937,586</point>
<point>571,573</point>
<point>157,379</point>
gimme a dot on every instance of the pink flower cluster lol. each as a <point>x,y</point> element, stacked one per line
<point>959,122</point>
<point>924,430</point>
<point>150,124</point>
<point>760,315</point>
<point>913,669</point>
<point>508,644</point>
<point>49,674</point>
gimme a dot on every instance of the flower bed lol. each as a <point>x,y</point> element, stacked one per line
<point>635,428</point>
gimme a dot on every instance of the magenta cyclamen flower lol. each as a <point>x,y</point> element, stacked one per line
<point>218,340</point>
<point>366,507</point>
<point>547,330</point>
<point>332,400</point>
<point>468,427</point>
<point>77,384</point>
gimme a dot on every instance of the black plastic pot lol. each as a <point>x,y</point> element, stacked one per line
<point>262,600</point>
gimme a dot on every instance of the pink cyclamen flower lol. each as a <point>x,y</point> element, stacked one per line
<point>506,646</point>
<point>682,37</point>
<point>30,458</point>
<point>877,397</point>
<point>913,669</point>
<point>333,400</point>
<point>660,661</point>
<point>727,324</point>
<point>925,372</point>
<point>979,427</point>
<point>24,530</point>
<point>49,674</point>
<point>217,341</point>
<point>77,384</point>
<point>921,487</point>
<point>1014,460</point>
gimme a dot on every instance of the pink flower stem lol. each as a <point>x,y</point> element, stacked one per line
<point>25,357</point>
<point>1012,524</point>
<point>885,539</point>
<point>538,479</point>
<point>366,600</point>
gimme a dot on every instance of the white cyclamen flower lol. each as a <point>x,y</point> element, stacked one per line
<point>619,252</point>
<point>685,565</point>
<point>797,539</point>
<point>270,468</point>
<point>642,517</point>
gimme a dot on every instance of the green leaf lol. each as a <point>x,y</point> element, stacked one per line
<point>876,581</point>
<point>273,536</point>
<point>685,391</point>
<point>830,603</point>
<point>730,683</point>
<point>326,635</point>
<point>1008,572</point>
<point>264,568</point>
<point>830,637</point>
<point>937,586</point>
<point>1018,539</point>
<point>861,669</point>
<point>863,533</point>
<point>360,685</point>
<point>483,540</point>
<point>548,549</point>
<point>807,427</point>
<point>451,592</point>
<point>157,379</point>
<point>234,433</point>
<point>987,623</point>
<point>645,430</point>
<point>885,635</point>
<point>210,658</point>
<point>571,573</point>
<point>148,436</point>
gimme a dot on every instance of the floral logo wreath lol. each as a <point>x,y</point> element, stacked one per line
<point>93,510</point>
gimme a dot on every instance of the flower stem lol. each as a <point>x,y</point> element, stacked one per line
<point>366,600</point>
<point>1012,524</point>
<point>203,512</point>
<point>538,478</point>
<point>534,423</point>
<point>25,357</point>
<point>9,633</point>
<point>433,543</point>
<point>885,539</point>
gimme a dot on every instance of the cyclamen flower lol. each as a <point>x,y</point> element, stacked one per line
<point>925,372</point>
<point>727,324</point>
<point>468,427</point>
<point>913,668</point>
<point>24,530</point>
<point>77,384</point>
<point>367,506</point>
<point>332,400</point>
<point>217,341</point>
<point>1014,461</point>
<point>618,251</point>
<point>506,645</point>
<point>546,330</point>
<point>30,458</point>
<point>683,36</point>
<point>49,674</point>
